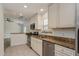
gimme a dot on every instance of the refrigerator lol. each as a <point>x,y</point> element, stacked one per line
<point>77,30</point>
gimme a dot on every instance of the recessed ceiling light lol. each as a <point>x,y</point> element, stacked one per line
<point>25,6</point>
<point>41,9</point>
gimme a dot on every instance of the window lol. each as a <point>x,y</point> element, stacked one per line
<point>25,29</point>
<point>45,18</point>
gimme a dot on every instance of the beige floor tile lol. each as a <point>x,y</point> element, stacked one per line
<point>21,50</point>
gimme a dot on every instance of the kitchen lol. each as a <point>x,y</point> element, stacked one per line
<point>48,29</point>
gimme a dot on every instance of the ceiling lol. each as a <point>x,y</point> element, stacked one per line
<point>15,9</point>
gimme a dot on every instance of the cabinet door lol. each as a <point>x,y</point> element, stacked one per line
<point>40,22</point>
<point>36,45</point>
<point>39,46</point>
<point>53,15</point>
<point>32,43</point>
<point>67,15</point>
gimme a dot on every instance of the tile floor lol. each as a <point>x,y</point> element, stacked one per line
<point>21,50</point>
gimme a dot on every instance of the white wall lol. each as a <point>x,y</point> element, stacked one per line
<point>34,19</point>
<point>1,31</point>
<point>27,25</point>
<point>12,27</point>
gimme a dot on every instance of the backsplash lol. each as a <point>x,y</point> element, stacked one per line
<point>69,33</point>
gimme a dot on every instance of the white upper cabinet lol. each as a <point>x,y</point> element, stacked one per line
<point>67,15</point>
<point>53,15</point>
<point>61,15</point>
<point>38,21</point>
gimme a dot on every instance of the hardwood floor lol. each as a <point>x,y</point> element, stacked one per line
<point>21,50</point>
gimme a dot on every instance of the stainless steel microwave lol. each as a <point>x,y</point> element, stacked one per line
<point>32,26</point>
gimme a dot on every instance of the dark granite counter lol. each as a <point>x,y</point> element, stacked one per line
<point>66,42</point>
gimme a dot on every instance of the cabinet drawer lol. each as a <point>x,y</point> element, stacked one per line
<point>64,50</point>
<point>58,48</point>
<point>69,51</point>
<point>36,45</point>
<point>57,53</point>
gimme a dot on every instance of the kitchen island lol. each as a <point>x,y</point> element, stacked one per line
<point>18,39</point>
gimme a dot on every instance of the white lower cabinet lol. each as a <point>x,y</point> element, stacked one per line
<point>39,47</point>
<point>63,51</point>
<point>18,39</point>
<point>36,45</point>
<point>33,44</point>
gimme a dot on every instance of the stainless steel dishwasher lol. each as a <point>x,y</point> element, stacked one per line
<point>29,40</point>
<point>48,48</point>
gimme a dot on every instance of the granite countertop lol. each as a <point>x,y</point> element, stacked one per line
<point>66,42</point>
<point>18,33</point>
